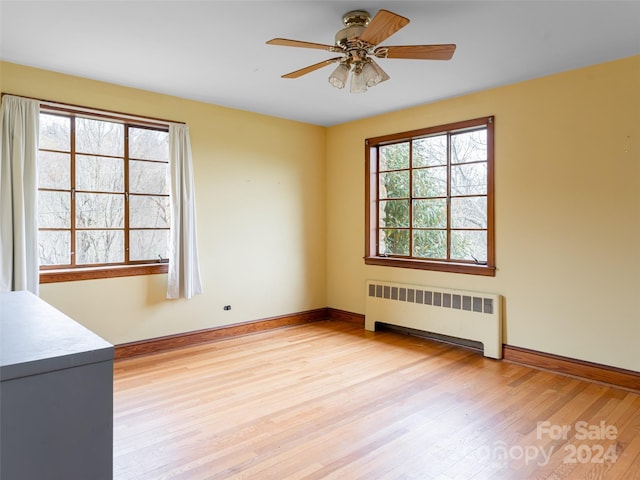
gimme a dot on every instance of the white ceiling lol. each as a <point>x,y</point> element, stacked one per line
<point>214,51</point>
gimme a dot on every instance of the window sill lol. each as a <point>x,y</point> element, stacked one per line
<point>73,274</point>
<point>467,268</point>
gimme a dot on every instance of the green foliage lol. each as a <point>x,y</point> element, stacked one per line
<point>394,157</point>
<point>430,243</point>
<point>394,241</point>
<point>417,172</point>
<point>430,213</point>
<point>396,213</point>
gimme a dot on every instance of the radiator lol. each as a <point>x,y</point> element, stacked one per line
<point>455,313</point>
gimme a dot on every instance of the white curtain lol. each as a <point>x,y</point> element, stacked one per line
<point>19,129</point>
<point>184,272</point>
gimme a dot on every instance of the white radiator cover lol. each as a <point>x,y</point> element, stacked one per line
<point>457,313</point>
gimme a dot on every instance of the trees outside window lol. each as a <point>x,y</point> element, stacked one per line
<point>103,192</point>
<point>430,198</point>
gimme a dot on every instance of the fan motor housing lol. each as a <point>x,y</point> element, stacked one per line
<point>355,22</point>
<point>348,33</point>
<point>356,17</point>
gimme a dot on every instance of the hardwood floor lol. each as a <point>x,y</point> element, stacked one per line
<point>330,400</point>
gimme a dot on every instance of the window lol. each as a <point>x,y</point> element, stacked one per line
<point>103,196</point>
<point>430,198</point>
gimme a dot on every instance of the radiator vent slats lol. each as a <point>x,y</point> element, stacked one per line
<point>459,314</point>
<point>433,298</point>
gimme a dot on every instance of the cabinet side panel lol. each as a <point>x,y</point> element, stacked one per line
<point>58,425</point>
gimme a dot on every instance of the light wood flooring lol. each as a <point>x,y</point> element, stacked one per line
<point>330,400</point>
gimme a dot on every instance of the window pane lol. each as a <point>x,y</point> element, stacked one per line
<point>54,209</point>
<point>394,242</point>
<point>99,137</point>
<point>148,144</point>
<point>55,132</point>
<point>99,210</point>
<point>430,182</point>
<point>430,244</point>
<point>469,146</point>
<point>469,212</point>
<point>394,213</point>
<point>54,170</point>
<point>469,245</point>
<point>394,157</point>
<point>430,213</point>
<point>430,151</point>
<point>148,244</point>
<point>99,174</point>
<point>394,185</point>
<point>99,246</point>
<point>54,247</point>
<point>469,179</point>
<point>148,212</point>
<point>148,177</point>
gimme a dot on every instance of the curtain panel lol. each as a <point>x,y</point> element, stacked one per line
<point>183,279</point>
<point>19,131</point>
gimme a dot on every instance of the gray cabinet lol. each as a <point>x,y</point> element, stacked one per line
<point>56,395</point>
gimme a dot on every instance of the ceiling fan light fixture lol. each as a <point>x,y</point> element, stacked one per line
<point>358,83</point>
<point>373,73</point>
<point>339,76</point>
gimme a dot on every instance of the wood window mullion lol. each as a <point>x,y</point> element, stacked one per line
<point>126,194</point>
<point>410,254</point>
<point>72,155</point>
<point>448,255</point>
<point>376,189</point>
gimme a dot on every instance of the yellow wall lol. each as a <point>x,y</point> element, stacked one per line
<point>281,212</point>
<point>260,184</point>
<point>567,210</point>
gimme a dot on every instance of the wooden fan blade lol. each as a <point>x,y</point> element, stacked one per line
<point>383,25</point>
<point>284,42</point>
<point>311,68</point>
<point>417,52</point>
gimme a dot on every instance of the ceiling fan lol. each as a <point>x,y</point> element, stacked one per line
<point>358,43</point>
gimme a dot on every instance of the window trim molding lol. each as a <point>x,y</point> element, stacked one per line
<point>92,273</point>
<point>371,203</point>
<point>99,112</point>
